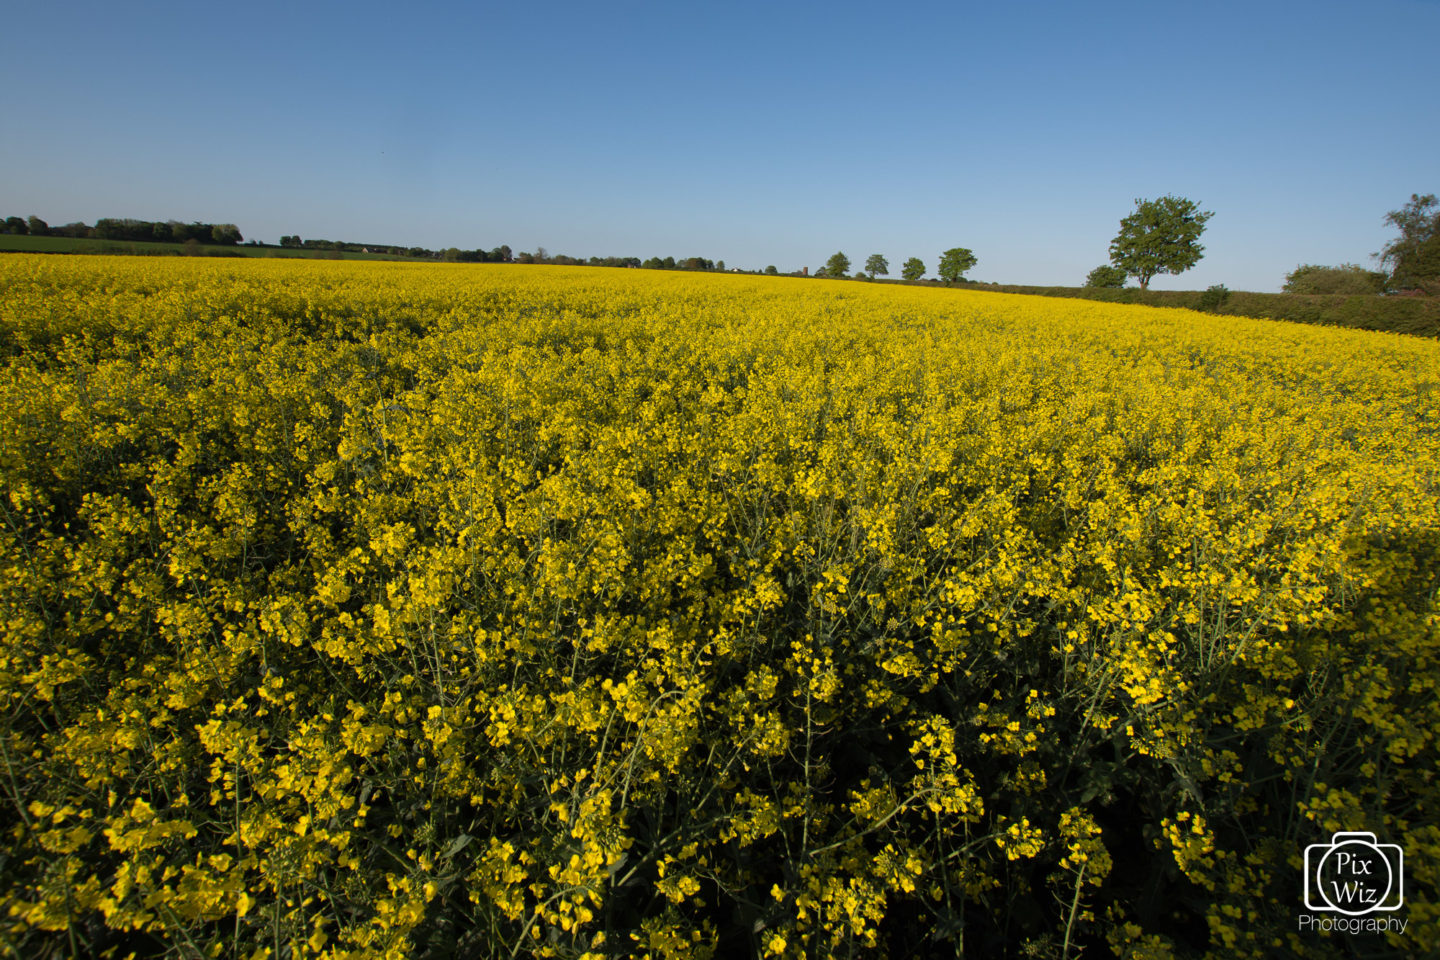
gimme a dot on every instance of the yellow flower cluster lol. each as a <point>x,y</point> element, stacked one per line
<point>355,610</point>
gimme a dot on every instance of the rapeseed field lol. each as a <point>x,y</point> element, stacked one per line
<point>361,610</point>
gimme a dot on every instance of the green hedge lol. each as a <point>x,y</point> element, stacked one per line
<point>1398,314</point>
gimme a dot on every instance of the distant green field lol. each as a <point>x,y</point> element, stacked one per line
<point>10,243</point>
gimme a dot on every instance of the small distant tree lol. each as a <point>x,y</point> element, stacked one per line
<point>16,225</point>
<point>541,255</point>
<point>720,265</point>
<point>1214,298</point>
<point>954,262</point>
<point>877,264</point>
<point>37,227</point>
<point>770,271</point>
<point>913,269</point>
<point>1105,276</point>
<point>1160,236</point>
<point>290,241</point>
<point>837,266</point>
<point>226,233</point>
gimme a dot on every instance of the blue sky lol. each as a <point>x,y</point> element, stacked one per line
<point>754,133</point>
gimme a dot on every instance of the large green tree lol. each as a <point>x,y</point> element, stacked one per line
<point>837,266</point>
<point>954,262</point>
<point>1161,236</point>
<point>1414,256</point>
<point>877,264</point>
<point>913,269</point>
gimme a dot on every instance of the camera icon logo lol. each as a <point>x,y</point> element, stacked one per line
<point>1354,875</point>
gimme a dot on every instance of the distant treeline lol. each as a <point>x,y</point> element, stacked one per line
<point>503,254</point>
<point>124,228</point>
<point>500,254</point>
<point>654,263</point>
<point>227,234</point>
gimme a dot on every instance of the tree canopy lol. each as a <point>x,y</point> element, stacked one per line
<point>954,262</point>
<point>1414,256</point>
<point>877,264</point>
<point>837,266</point>
<point>913,269</point>
<point>1160,236</point>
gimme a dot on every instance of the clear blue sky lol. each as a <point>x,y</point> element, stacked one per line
<point>754,133</point>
